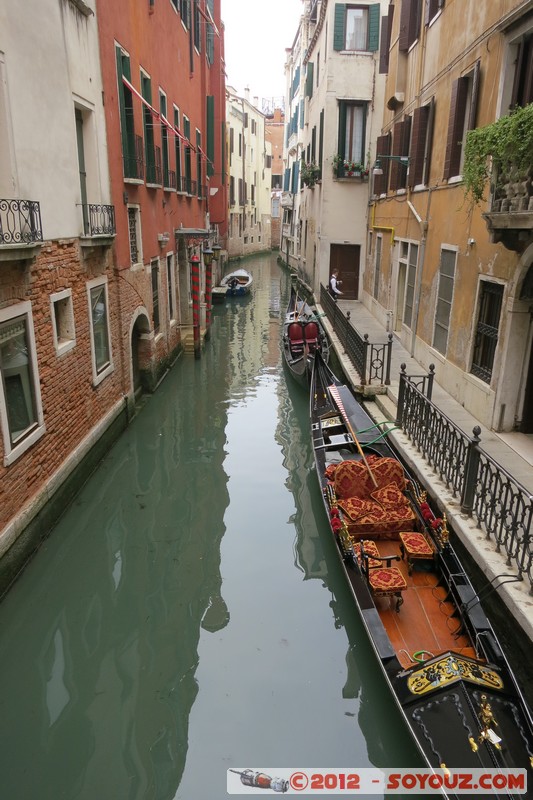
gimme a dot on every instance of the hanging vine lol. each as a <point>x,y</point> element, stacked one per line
<point>504,145</point>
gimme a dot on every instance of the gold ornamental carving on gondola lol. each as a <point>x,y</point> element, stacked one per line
<point>448,670</point>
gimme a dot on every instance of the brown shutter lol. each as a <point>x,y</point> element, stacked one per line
<point>418,146</point>
<point>400,147</point>
<point>382,149</point>
<point>410,18</point>
<point>454,144</point>
<point>475,95</point>
<point>384,48</point>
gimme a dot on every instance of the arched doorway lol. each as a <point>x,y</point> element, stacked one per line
<point>526,417</point>
<point>141,360</point>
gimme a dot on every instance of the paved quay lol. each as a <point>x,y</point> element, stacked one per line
<point>513,451</point>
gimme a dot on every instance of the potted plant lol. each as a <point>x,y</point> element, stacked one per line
<point>348,168</point>
<point>309,173</point>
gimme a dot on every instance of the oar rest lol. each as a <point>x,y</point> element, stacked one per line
<point>383,579</point>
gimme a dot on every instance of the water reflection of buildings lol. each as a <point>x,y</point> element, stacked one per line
<point>316,556</point>
<point>98,664</point>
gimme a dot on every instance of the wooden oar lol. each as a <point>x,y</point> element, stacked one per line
<point>334,392</point>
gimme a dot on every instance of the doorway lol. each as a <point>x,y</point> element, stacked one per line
<point>346,258</point>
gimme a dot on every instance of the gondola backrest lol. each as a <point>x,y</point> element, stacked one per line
<point>296,335</point>
<point>311,336</point>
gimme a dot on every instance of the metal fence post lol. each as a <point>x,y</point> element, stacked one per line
<point>431,378</point>
<point>470,473</point>
<point>389,357</point>
<point>366,345</point>
<point>401,396</point>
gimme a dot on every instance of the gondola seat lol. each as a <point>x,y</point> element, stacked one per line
<point>296,338</point>
<point>383,579</point>
<point>383,510</point>
<point>415,546</point>
<point>311,336</point>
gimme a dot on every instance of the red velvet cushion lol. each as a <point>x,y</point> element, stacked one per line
<point>387,579</point>
<point>350,479</point>
<point>355,507</point>
<point>390,497</point>
<point>416,544</point>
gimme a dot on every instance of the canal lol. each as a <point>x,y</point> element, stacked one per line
<point>188,613</point>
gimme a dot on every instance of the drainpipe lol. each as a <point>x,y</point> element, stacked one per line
<point>381,227</point>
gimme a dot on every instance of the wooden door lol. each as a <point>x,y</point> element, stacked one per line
<point>346,258</point>
<point>526,425</point>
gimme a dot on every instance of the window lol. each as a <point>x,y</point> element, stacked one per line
<point>197,27</point>
<point>164,139</point>
<point>356,28</point>
<point>421,143</point>
<point>188,168</point>
<point>134,231</point>
<point>184,11</point>
<point>352,125</point>
<point>100,334</point>
<point>463,109</point>
<point>410,20</point>
<point>63,321</point>
<point>154,264</point>
<point>412,260</point>
<point>444,300</point>
<point>199,163</point>
<point>432,9</point>
<point>132,157</point>
<point>148,125</point>
<point>177,147</point>
<point>400,147</point>
<point>20,400</point>
<point>486,336</point>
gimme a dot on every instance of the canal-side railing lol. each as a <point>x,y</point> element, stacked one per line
<point>372,361</point>
<point>501,506</point>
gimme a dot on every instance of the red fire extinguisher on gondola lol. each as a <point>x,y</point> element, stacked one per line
<point>261,781</point>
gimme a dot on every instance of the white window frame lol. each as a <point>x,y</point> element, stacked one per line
<point>13,451</point>
<point>66,342</point>
<point>98,377</point>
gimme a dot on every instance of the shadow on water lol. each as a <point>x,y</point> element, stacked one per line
<point>188,613</point>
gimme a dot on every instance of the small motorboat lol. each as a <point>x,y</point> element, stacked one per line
<point>237,282</point>
<point>303,335</point>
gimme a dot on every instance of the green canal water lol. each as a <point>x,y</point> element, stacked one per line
<point>188,613</point>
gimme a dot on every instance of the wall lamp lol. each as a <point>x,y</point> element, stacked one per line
<point>378,170</point>
<point>208,256</point>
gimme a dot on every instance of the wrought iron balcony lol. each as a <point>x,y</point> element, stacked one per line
<point>170,179</point>
<point>510,218</point>
<point>134,162</point>
<point>98,220</point>
<point>20,222</point>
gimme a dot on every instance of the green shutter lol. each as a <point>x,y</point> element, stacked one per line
<point>309,79</point>
<point>223,151</point>
<point>321,139</point>
<point>342,129</point>
<point>286,180</point>
<point>210,136</point>
<point>302,114</point>
<point>338,27</point>
<point>373,27</point>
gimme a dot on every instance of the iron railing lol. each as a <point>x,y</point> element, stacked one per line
<point>501,506</point>
<point>98,220</point>
<point>170,179</point>
<point>20,222</point>
<point>134,162</point>
<point>372,361</point>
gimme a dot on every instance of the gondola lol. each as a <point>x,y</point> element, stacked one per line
<point>237,283</point>
<point>303,335</point>
<point>437,649</point>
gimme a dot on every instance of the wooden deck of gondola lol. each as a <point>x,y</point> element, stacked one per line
<point>426,620</point>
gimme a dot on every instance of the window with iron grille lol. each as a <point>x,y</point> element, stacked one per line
<point>377,265</point>
<point>444,299</point>
<point>486,337</point>
<point>134,230</point>
<point>411,264</point>
<point>171,287</point>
